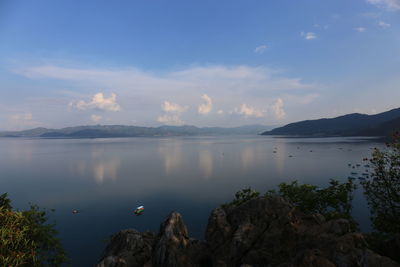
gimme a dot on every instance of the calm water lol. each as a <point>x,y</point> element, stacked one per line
<point>107,178</point>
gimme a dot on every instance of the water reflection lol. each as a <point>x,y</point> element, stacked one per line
<point>172,156</point>
<point>280,157</point>
<point>98,169</point>
<point>106,170</point>
<point>248,157</point>
<point>21,151</point>
<point>206,163</point>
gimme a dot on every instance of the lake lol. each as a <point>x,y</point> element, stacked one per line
<point>106,179</point>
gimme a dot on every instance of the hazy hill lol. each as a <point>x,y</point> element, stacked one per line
<point>102,131</point>
<point>347,125</point>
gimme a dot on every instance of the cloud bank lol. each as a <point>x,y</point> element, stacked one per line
<point>137,95</point>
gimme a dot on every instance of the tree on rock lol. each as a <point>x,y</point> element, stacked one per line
<point>382,189</point>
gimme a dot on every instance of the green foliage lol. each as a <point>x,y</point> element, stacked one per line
<point>242,196</point>
<point>382,189</point>
<point>333,201</point>
<point>5,202</point>
<point>26,239</point>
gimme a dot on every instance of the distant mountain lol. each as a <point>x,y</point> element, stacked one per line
<point>106,131</point>
<point>383,129</point>
<point>354,124</point>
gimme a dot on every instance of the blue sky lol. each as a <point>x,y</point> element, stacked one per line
<point>204,63</point>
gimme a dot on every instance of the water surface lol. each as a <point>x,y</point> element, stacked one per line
<point>107,178</point>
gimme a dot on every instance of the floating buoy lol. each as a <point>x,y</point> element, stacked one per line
<point>75,211</point>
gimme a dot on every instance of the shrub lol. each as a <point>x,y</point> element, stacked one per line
<point>382,188</point>
<point>334,201</point>
<point>242,196</point>
<point>26,239</point>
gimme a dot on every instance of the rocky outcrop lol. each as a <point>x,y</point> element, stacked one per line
<point>174,248</point>
<point>128,248</point>
<point>266,231</point>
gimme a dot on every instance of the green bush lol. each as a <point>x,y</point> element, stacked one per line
<point>334,201</point>
<point>26,239</point>
<point>382,189</point>
<point>242,196</point>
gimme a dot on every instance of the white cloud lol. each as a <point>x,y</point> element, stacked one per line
<point>386,4</point>
<point>278,110</point>
<point>205,108</point>
<point>249,111</point>
<point>260,49</point>
<point>360,29</point>
<point>141,93</point>
<point>170,119</point>
<point>216,78</point>
<point>308,35</point>
<point>95,117</point>
<point>174,113</point>
<point>98,102</point>
<point>172,107</point>
<point>384,25</point>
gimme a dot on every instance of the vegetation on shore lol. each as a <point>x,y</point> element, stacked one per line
<point>26,239</point>
<point>332,202</point>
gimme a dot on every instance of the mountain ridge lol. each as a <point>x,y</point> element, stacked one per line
<point>108,131</point>
<point>354,124</point>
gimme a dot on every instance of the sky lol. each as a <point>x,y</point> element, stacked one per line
<point>203,63</point>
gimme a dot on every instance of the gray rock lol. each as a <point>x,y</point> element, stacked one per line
<point>268,231</point>
<point>173,245</point>
<point>262,232</point>
<point>128,248</point>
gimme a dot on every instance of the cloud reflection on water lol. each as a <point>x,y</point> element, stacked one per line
<point>247,157</point>
<point>280,157</point>
<point>100,170</point>
<point>206,164</point>
<point>172,156</point>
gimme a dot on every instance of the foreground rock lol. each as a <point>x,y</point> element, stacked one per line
<point>261,232</point>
